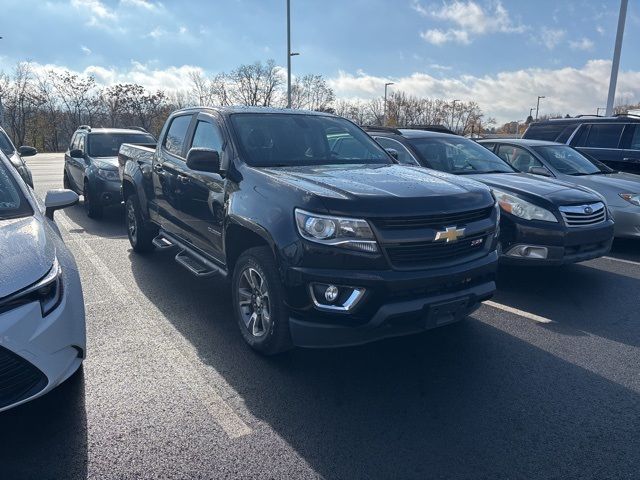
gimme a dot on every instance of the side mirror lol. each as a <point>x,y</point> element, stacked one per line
<point>393,152</point>
<point>76,153</point>
<point>540,171</point>
<point>203,160</point>
<point>25,151</point>
<point>57,199</point>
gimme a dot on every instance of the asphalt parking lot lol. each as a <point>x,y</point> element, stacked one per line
<point>544,382</point>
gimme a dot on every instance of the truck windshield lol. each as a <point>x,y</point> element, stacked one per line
<point>280,139</point>
<point>108,144</point>
<point>458,155</point>
<point>12,201</point>
<point>571,162</point>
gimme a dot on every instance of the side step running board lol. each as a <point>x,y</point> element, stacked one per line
<point>162,243</point>
<point>188,258</point>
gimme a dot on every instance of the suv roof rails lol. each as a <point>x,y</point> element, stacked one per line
<point>587,115</point>
<point>85,127</point>
<point>140,129</point>
<point>377,128</point>
<point>626,115</point>
<point>432,128</point>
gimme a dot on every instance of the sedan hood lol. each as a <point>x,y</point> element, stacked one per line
<point>531,187</point>
<point>384,189</point>
<point>611,185</point>
<point>27,255</point>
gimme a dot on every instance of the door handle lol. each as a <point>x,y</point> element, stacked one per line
<point>157,167</point>
<point>183,179</point>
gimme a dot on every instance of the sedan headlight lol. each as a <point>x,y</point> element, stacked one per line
<point>343,232</point>
<point>109,175</point>
<point>48,291</point>
<point>631,198</point>
<point>521,208</point>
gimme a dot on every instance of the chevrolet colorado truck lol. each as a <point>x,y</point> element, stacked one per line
<point>326,240</point>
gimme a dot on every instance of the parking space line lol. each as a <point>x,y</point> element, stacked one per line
<point>630,262</point>
<point>222,413</point>
<point>516,311</point>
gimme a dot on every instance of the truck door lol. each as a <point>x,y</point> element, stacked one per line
<point>203,204</point>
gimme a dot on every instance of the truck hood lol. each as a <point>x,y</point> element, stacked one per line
<point>545,189</point>
<point>384,189</point>
<point>26,252</point>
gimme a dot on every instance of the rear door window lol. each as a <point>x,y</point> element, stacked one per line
<point>635,140</point>
<point>549,131</point>
<point>604,135</point>
<point>174,141</point>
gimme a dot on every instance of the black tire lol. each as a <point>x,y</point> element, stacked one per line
<point>140,233</point>
<point>65,181</point>
<point>274,336</point>
<point>91,206</point>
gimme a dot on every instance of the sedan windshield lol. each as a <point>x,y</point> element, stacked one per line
<point>569,161</point>
<point>280,139</point>
<point>5,144</point>
<point>108,144</point>
<point>12,202</point>
<point>458,155</point>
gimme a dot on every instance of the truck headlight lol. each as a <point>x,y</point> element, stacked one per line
<point>521,208</point>
<point>631,198</point>
<point>109,175</point>
<point>342,232</point>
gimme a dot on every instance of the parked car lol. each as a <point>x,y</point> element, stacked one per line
<point>15,156</point>
<point>324,246</point>
<point>614,141</point>
<point>544,221</point>
<point>91,164</point>
<point>42,321</point>
<point>556,160</point>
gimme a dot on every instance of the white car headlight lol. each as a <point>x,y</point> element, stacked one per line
<point>108,175</point>
<point>343,232</point>
<point>631,198</point>
<point>521,208</point>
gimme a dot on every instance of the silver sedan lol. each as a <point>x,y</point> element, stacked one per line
<point>551,159</point>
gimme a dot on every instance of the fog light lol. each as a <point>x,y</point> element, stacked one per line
<point>528,251</point>
<point>331,293</point>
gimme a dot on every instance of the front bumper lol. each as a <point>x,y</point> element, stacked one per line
<point>563,244</point>
<point>627,221</point>
<point>36,353</point>
<point>106,192</point>
<point>395,303</point>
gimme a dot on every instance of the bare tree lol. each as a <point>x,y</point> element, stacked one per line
<point>311,92</point>
<point>256,84</point>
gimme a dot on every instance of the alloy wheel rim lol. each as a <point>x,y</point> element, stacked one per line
<point>131,222</point>
<point>254,302</point>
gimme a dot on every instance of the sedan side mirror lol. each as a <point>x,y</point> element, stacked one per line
<point>540,171</point>
<point>203,160</point>
<point>57,199</point>
<point>25,151</point>
<point>76,153</point>
<point>393,152</point>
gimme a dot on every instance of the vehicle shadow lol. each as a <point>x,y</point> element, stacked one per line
<point>47,438</point>
<point>579,298</point>
<point>111,225</point>
<point>464,401</point>
<point>626,249</point>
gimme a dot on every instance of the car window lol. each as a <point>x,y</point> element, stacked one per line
<point>548,131</point>
<point>518,158</point>
<point>635,141</point>
<point>176,135</point>
<point>5,144</point>
<point>81,145</point>
<point>569,161</point>
<point>207,135</point>
<point>604,135</point>
<point>488,146</point>
<point>108,144</point>
<point>74,142</point>
<point>283,139</point>
<point>13,204</point>
<point>404,156</point>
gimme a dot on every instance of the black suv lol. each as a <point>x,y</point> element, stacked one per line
<point>91,164</point>
<point>614,141</point>
<point>544,221</point>
<point>15,156</point>
<point>327,240</point>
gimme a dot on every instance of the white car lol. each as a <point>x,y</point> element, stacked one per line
<point>42,320</point>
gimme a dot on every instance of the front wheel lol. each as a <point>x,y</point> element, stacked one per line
<point>259,302</point>
<point>91,205</point>
<point>139,232</point>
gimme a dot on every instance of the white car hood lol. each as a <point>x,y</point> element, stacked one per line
<point>26,254</point>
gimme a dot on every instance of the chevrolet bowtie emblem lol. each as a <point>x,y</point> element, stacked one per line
<point>450,234</point>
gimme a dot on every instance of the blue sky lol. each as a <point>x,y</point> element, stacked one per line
<point>469,49</point>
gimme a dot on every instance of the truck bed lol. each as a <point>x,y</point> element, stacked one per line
<point>140,152</point>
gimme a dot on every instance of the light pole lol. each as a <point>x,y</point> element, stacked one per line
<point>453,111</point>
<point>384,115</point>
<point>615,65</point>
<point>538,105</point>
<point>289,54</point>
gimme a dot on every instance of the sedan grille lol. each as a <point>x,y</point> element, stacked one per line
<point>584,215</point>
<point>19,379</point>
<point>432,221</point>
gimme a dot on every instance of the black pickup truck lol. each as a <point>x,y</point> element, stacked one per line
<point>327,241</point>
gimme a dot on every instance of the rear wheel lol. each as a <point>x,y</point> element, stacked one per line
<point>140,233</point>
<point>91,206</point>
<point>258,301</point>
<point>65,181</point>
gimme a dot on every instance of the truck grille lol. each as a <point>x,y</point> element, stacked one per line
<point>432,221</point>
<point>584,215</point>
<point>433,254</point>
<point>19,379</point>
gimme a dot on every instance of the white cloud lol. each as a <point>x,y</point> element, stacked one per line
<point>550,37</point>
<point>144,4</point>
<point>157,33</point>
<point>600,30</point>
<point>85,50</point>
<point>469,20</point>
<point>95,8</point>
<point>582,44</point>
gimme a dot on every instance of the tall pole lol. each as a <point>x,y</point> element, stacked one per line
<point>453,112</point>
<point>384,114</point>
<point>288,53</point>
<point>538,105</point>
<point>615,65</point>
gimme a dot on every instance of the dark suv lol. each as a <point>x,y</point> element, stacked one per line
<point>91,164</point>
<point>614,141</point>
<point>15,156</point>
